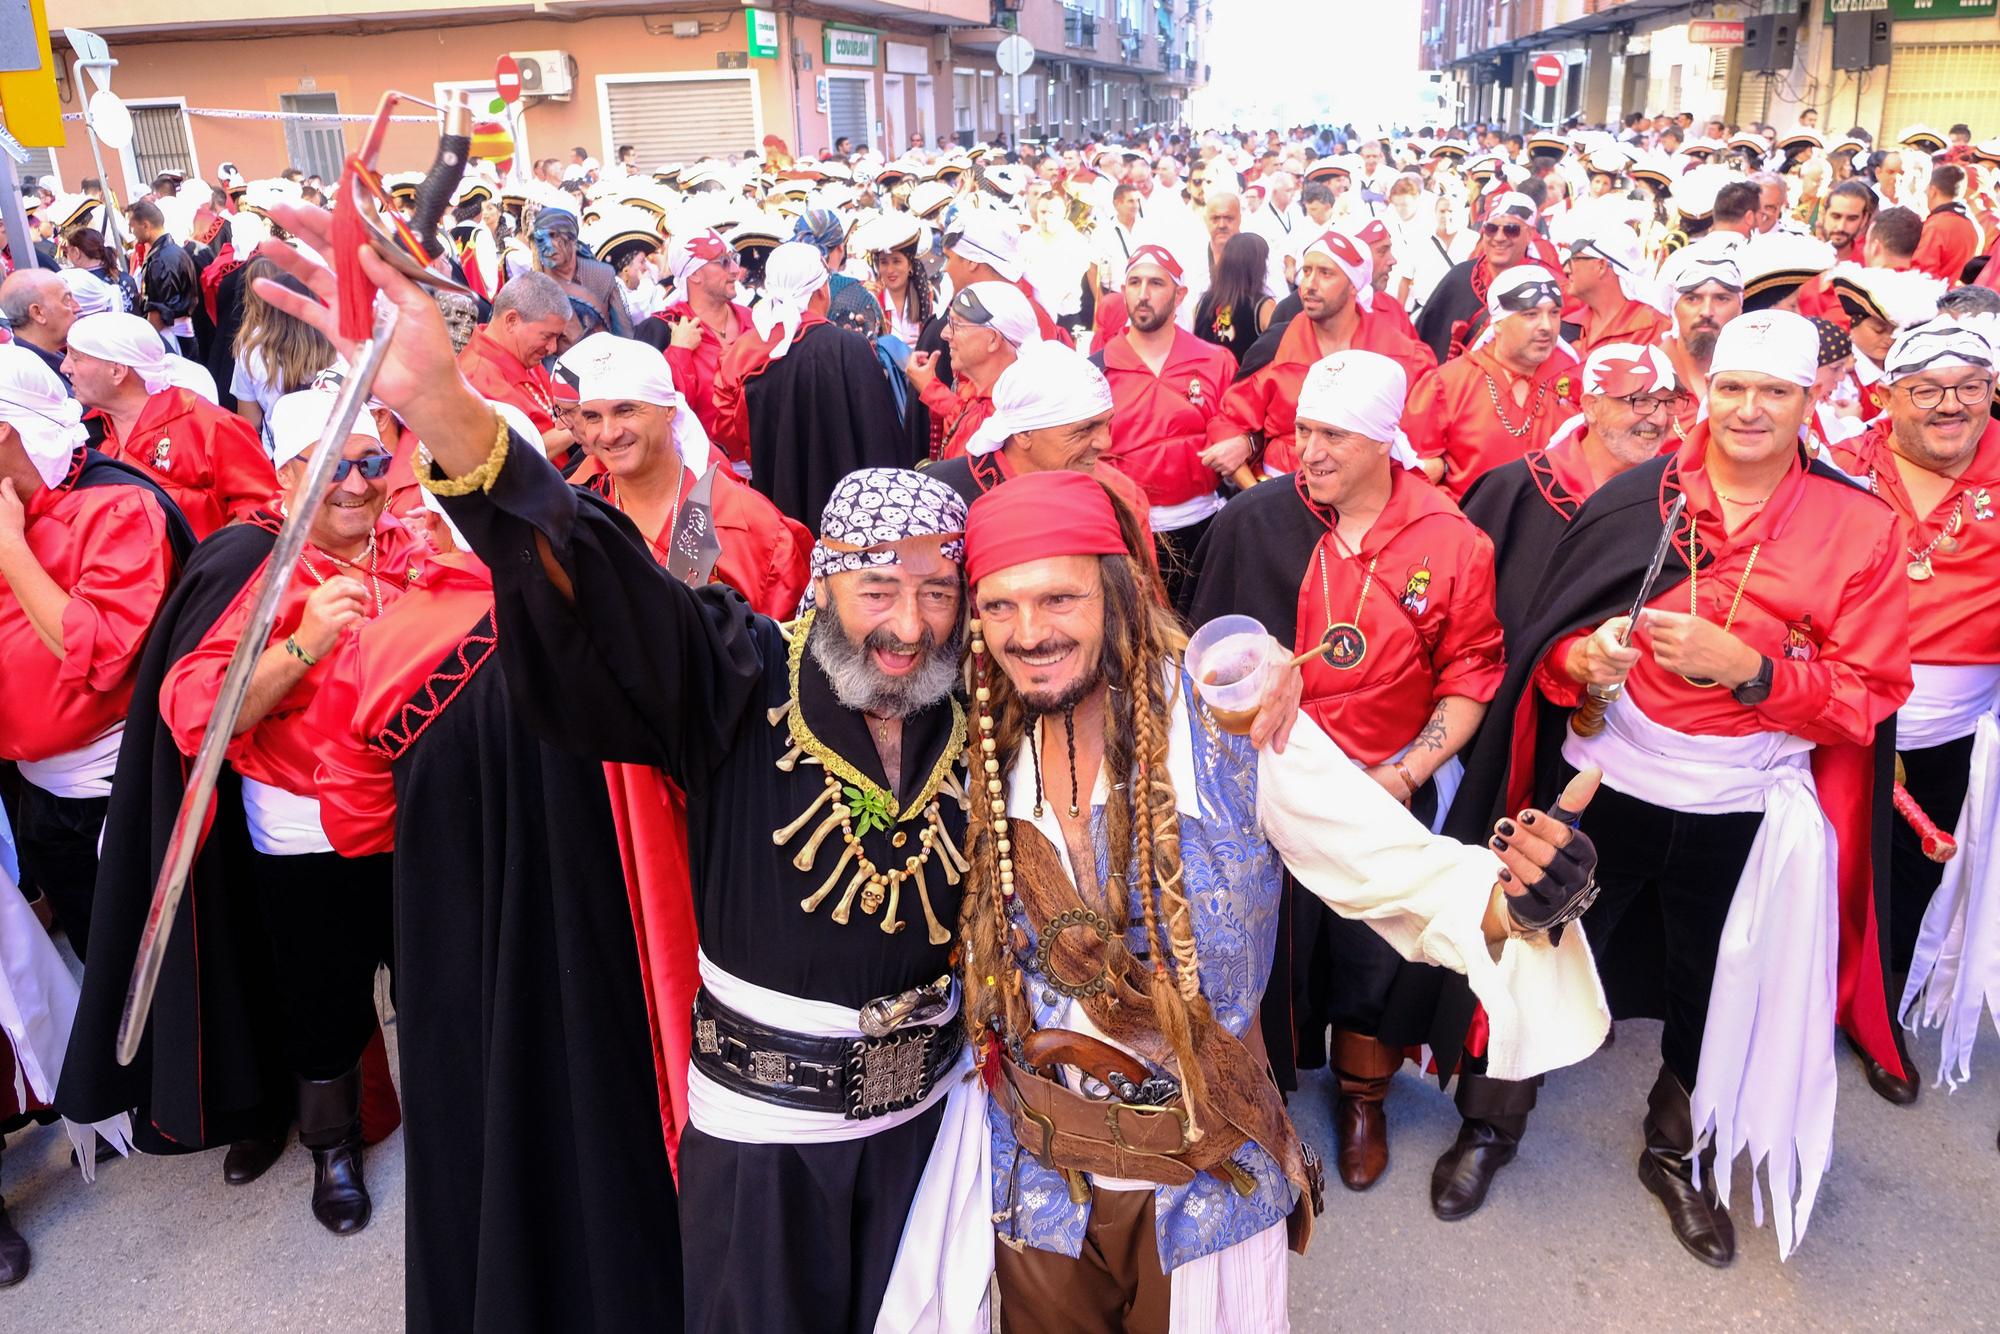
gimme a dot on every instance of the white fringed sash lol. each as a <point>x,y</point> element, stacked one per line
<point>1767,1081</point>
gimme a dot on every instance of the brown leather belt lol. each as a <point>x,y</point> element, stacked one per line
<point>1070,1132</point>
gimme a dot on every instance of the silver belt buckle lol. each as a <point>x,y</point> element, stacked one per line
<point>908,1009</point>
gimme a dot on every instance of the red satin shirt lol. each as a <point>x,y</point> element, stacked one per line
<point>1451,415</point>
<point>279,750</point>
<point>107,547</point>
<point>1429,619</point>
<point>209,461</point>
<point>695,368</point>
<point>1833,616</point>
<point>1159,423</point>
<point>497,374</point>
<point>1955,615</point>
<point>1267,401</point>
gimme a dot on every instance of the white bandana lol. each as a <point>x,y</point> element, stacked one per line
<point>34,402</point>
<point>1937,346</point>
<point>1355,391</point>
<point>297,420</point>
<point>691,253</point>
<point>93,295</point>
<point>1346,250</point>
<point>607,367</point>
<point>1768,342</point>
<point>124,340</point>
<point>1625,369</point>
<point>989,237</point>
<point>1048,385</point>
<point>793,273</point>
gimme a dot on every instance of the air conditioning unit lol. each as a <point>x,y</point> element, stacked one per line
<point>546,74</point>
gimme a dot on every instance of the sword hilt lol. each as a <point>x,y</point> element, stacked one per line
<point>1588,718</point>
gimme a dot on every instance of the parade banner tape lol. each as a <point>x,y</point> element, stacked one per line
<point>214,113</point>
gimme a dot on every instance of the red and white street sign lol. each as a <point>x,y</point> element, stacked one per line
<point>507,80</point>
<point>1547,69</point>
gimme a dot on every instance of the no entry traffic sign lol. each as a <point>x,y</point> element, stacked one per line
<point>1548,70</point>
<point>507,80</point>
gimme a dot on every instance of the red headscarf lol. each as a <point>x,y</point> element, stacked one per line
<point>1039,514</point>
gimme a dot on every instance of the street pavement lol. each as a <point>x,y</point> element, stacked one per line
<point>1906,1235</point>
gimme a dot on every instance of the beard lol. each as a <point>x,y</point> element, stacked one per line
<point>1701,341</point>
<point>862,686</point>
<point>1147,318</point>
<point>1071,695</point>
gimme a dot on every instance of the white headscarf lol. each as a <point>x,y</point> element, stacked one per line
<point>793,273</point>
<point>605,366</point>
<point>1768,342</point>
<point>297,419</point>
<point>683,261</point>
<point>124,340</point>
<point>93,295</point>
<point>34,402</point>
<point>1935,346</point>
<point>1048,385</point>
<point>1353,256</point>
<point>1361,392</point>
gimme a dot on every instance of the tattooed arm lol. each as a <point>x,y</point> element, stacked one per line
<point>1451,725</point>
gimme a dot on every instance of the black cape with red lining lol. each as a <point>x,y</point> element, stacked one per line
<point>1593,574</point>
<point>211,1068</point>
<point>818,413</point>
<point>538,1188</point>
<point>1524,507</point>
<point>1251,562</point>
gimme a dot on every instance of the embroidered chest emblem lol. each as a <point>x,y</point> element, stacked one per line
<point>1194,393</point>
<point>1417,592</point>
<point>162,449</point>
<point>1982,504</point>
<point>1801,640</point>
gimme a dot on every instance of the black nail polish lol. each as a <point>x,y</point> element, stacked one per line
<point>1506,827</point>
<point>1499,845</point>
<point>1506,876</point>
<point>1528,817</point>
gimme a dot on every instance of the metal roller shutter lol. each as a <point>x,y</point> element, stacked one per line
<point>1942,83</point>
<point>847,111</point>
<point>681,120</point>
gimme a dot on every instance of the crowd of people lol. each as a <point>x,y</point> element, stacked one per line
<point>955,538</point>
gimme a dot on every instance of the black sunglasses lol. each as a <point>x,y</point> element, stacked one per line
<point>1508,229</point>
<point>374,467</point>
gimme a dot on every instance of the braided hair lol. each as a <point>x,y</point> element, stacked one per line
<point>1142,648</point>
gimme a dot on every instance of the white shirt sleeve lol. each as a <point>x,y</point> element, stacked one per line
<point>1366,857</point>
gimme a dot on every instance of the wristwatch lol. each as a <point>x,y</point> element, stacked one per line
<point>1758,688</point>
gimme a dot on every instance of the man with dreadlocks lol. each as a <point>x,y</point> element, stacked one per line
<point>1127,860</point>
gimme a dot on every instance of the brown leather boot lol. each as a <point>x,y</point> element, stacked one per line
<point>1364,1066</point>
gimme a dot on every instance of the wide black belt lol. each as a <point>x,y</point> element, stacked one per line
<point>858,1077</point>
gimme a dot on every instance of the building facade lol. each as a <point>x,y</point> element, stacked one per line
<point>1878,64</point>
<point>263,84</point>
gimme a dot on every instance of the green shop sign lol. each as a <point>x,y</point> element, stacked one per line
<point>1918,9</point>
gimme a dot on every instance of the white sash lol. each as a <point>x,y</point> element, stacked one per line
<point>83,772</point>
<point>1946,703</point>
<point>938,1283</point>
<point>282,823</point>
<point>1955,973</point>
<point>1767,1080</point>
<point>37,1007</point>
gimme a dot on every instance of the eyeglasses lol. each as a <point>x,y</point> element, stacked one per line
<point>374,467</point>
<point>1510,230</point>
<point>1647,404</point>
<point>1928,396</point>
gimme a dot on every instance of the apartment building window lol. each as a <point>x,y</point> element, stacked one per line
<point>964,87</point>
<point>41,166</point>
<point>679,117</point>
<point>161,141</point>
<point>315,147</point>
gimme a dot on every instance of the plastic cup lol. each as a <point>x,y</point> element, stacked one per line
<point>1230,660</point>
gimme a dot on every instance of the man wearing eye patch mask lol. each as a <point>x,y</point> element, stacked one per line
<point>1507,394</point>
<point>1456,313</point>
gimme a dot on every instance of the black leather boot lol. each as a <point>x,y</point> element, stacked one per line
<point>13,1251</point>
<point>1700,1222</point>
<point>1496,1116</point>
<point>249,1159</point>
<point>330,1125</point>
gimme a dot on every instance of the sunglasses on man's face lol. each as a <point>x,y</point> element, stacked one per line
<point>373,467</point>
<point>1510,230</point>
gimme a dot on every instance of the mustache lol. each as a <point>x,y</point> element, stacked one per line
<point>1047,646</point>
<point>884,640</point>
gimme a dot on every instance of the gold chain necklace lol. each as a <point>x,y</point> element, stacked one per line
<point>858,805</point>
<point>1919,569</point>
<point>374,583</point>
<point>1694,594</point>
